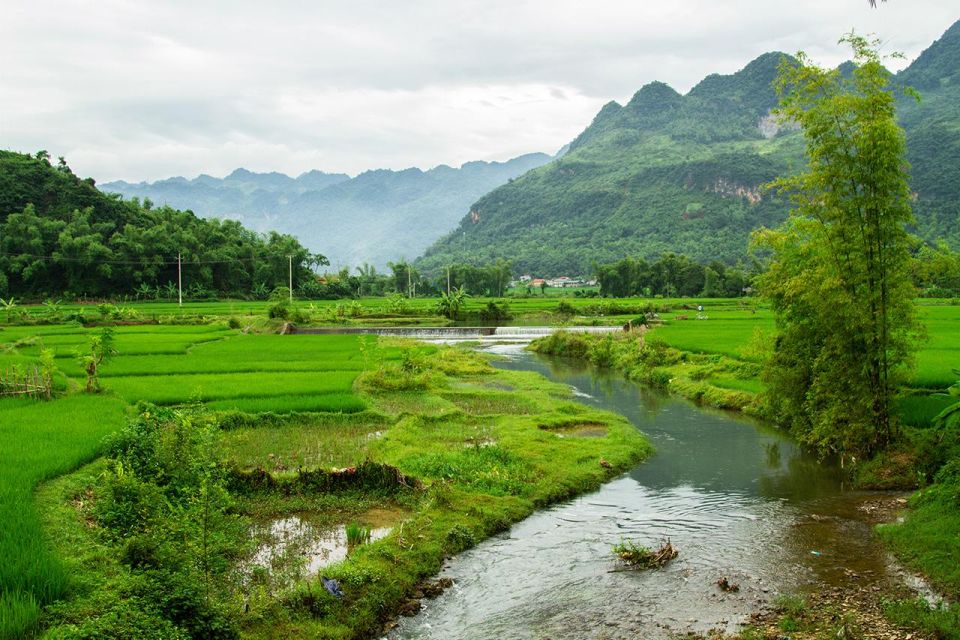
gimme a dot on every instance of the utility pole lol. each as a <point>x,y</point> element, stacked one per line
<point>290,277</point>
<point>179,279</point>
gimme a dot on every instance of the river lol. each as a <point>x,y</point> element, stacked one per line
<point>738,499</point>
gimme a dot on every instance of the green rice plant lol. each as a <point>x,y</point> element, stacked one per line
<point>490,402</point>
<point>18,613</point>
<point>729,336</point>
<point>162,365</point>
<point>179,389</point>
<point>487,468</point>
<point>919,410</point>
<point>750,385</point>
<point>326,402</point>
<point>38,441</point>
<point>934,369</point>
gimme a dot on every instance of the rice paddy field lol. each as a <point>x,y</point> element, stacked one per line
<point>39,441</point>
<point>734,332</point>
<point>295,405</point>
<point>306,406</point>
<point>377,310</point>
<point>165,365</point>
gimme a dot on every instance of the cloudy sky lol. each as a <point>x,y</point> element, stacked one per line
<point>145,89</point>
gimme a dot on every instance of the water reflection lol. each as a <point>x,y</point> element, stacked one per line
<point>702,448</point>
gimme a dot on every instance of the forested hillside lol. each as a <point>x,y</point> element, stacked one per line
<point>376,217</point>
<point>683,173</point>
<point>61,236</point>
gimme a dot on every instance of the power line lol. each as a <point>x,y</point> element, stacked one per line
<point>145,262</point>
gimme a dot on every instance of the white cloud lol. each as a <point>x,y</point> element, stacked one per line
<point>143,90</point>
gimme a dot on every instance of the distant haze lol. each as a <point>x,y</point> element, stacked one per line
<point>145,90</point>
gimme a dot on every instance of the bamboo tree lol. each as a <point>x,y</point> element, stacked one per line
<point>840,274</point>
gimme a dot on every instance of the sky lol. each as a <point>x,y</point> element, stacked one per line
<point>140,90</point>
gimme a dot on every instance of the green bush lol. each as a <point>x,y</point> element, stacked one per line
<point>279,311</point>
<point>126,504</point>
<point>125,620</point>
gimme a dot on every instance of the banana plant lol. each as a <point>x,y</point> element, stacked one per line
<point>950,417</point>
<point>9,306</point>
<point>53,307</point>
<point>450,304</point>
<point>143,291</point>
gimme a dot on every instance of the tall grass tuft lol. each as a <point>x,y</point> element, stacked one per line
<point>357,534</point>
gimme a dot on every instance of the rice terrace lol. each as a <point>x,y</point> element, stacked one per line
<point>695,374</point>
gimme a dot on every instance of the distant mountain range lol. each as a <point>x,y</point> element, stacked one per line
<point>375,217</point>
<point>664,172</point>
<point>683,173</point>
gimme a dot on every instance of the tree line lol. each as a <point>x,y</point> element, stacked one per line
<point>669,276</point>
<point>61,236</point>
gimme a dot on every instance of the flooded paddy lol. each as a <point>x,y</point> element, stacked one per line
<point>301,545</point>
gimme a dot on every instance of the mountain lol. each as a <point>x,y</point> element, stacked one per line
<point>375,217</point>
<point>683,173</point>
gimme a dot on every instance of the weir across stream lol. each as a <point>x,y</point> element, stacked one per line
<point>453,334</point>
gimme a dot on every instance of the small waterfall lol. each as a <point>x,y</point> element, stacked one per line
<point>419,333</point>
<point>434,333</point>
<point>505,334</point>
<point>538,332</point>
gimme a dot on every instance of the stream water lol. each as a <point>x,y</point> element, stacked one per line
<point>737,499</point>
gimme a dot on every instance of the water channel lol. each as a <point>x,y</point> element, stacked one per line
<point>737,499</point>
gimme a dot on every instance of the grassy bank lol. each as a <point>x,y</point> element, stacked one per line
<point>165,537</point>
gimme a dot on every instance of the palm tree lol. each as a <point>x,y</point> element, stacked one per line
<point>367,272</point>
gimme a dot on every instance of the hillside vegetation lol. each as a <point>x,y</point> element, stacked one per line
<point>61,236</point>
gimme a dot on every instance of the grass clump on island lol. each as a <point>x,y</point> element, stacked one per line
<point>158,535</point>
<point>638,556</point>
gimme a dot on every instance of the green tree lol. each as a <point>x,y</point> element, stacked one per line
<point>712,284</point>
<point>101,349</point>
<point>839,279</point>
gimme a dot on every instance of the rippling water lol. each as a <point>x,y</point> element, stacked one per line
<point>737,499</point>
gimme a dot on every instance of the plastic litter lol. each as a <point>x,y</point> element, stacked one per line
<point>332,586</point>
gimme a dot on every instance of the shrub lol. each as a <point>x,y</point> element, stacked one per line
<point>494,312</point>
<point>279,311</point>
<point>564,308</point>
<point>126,504</point>
<point>128,620</point>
